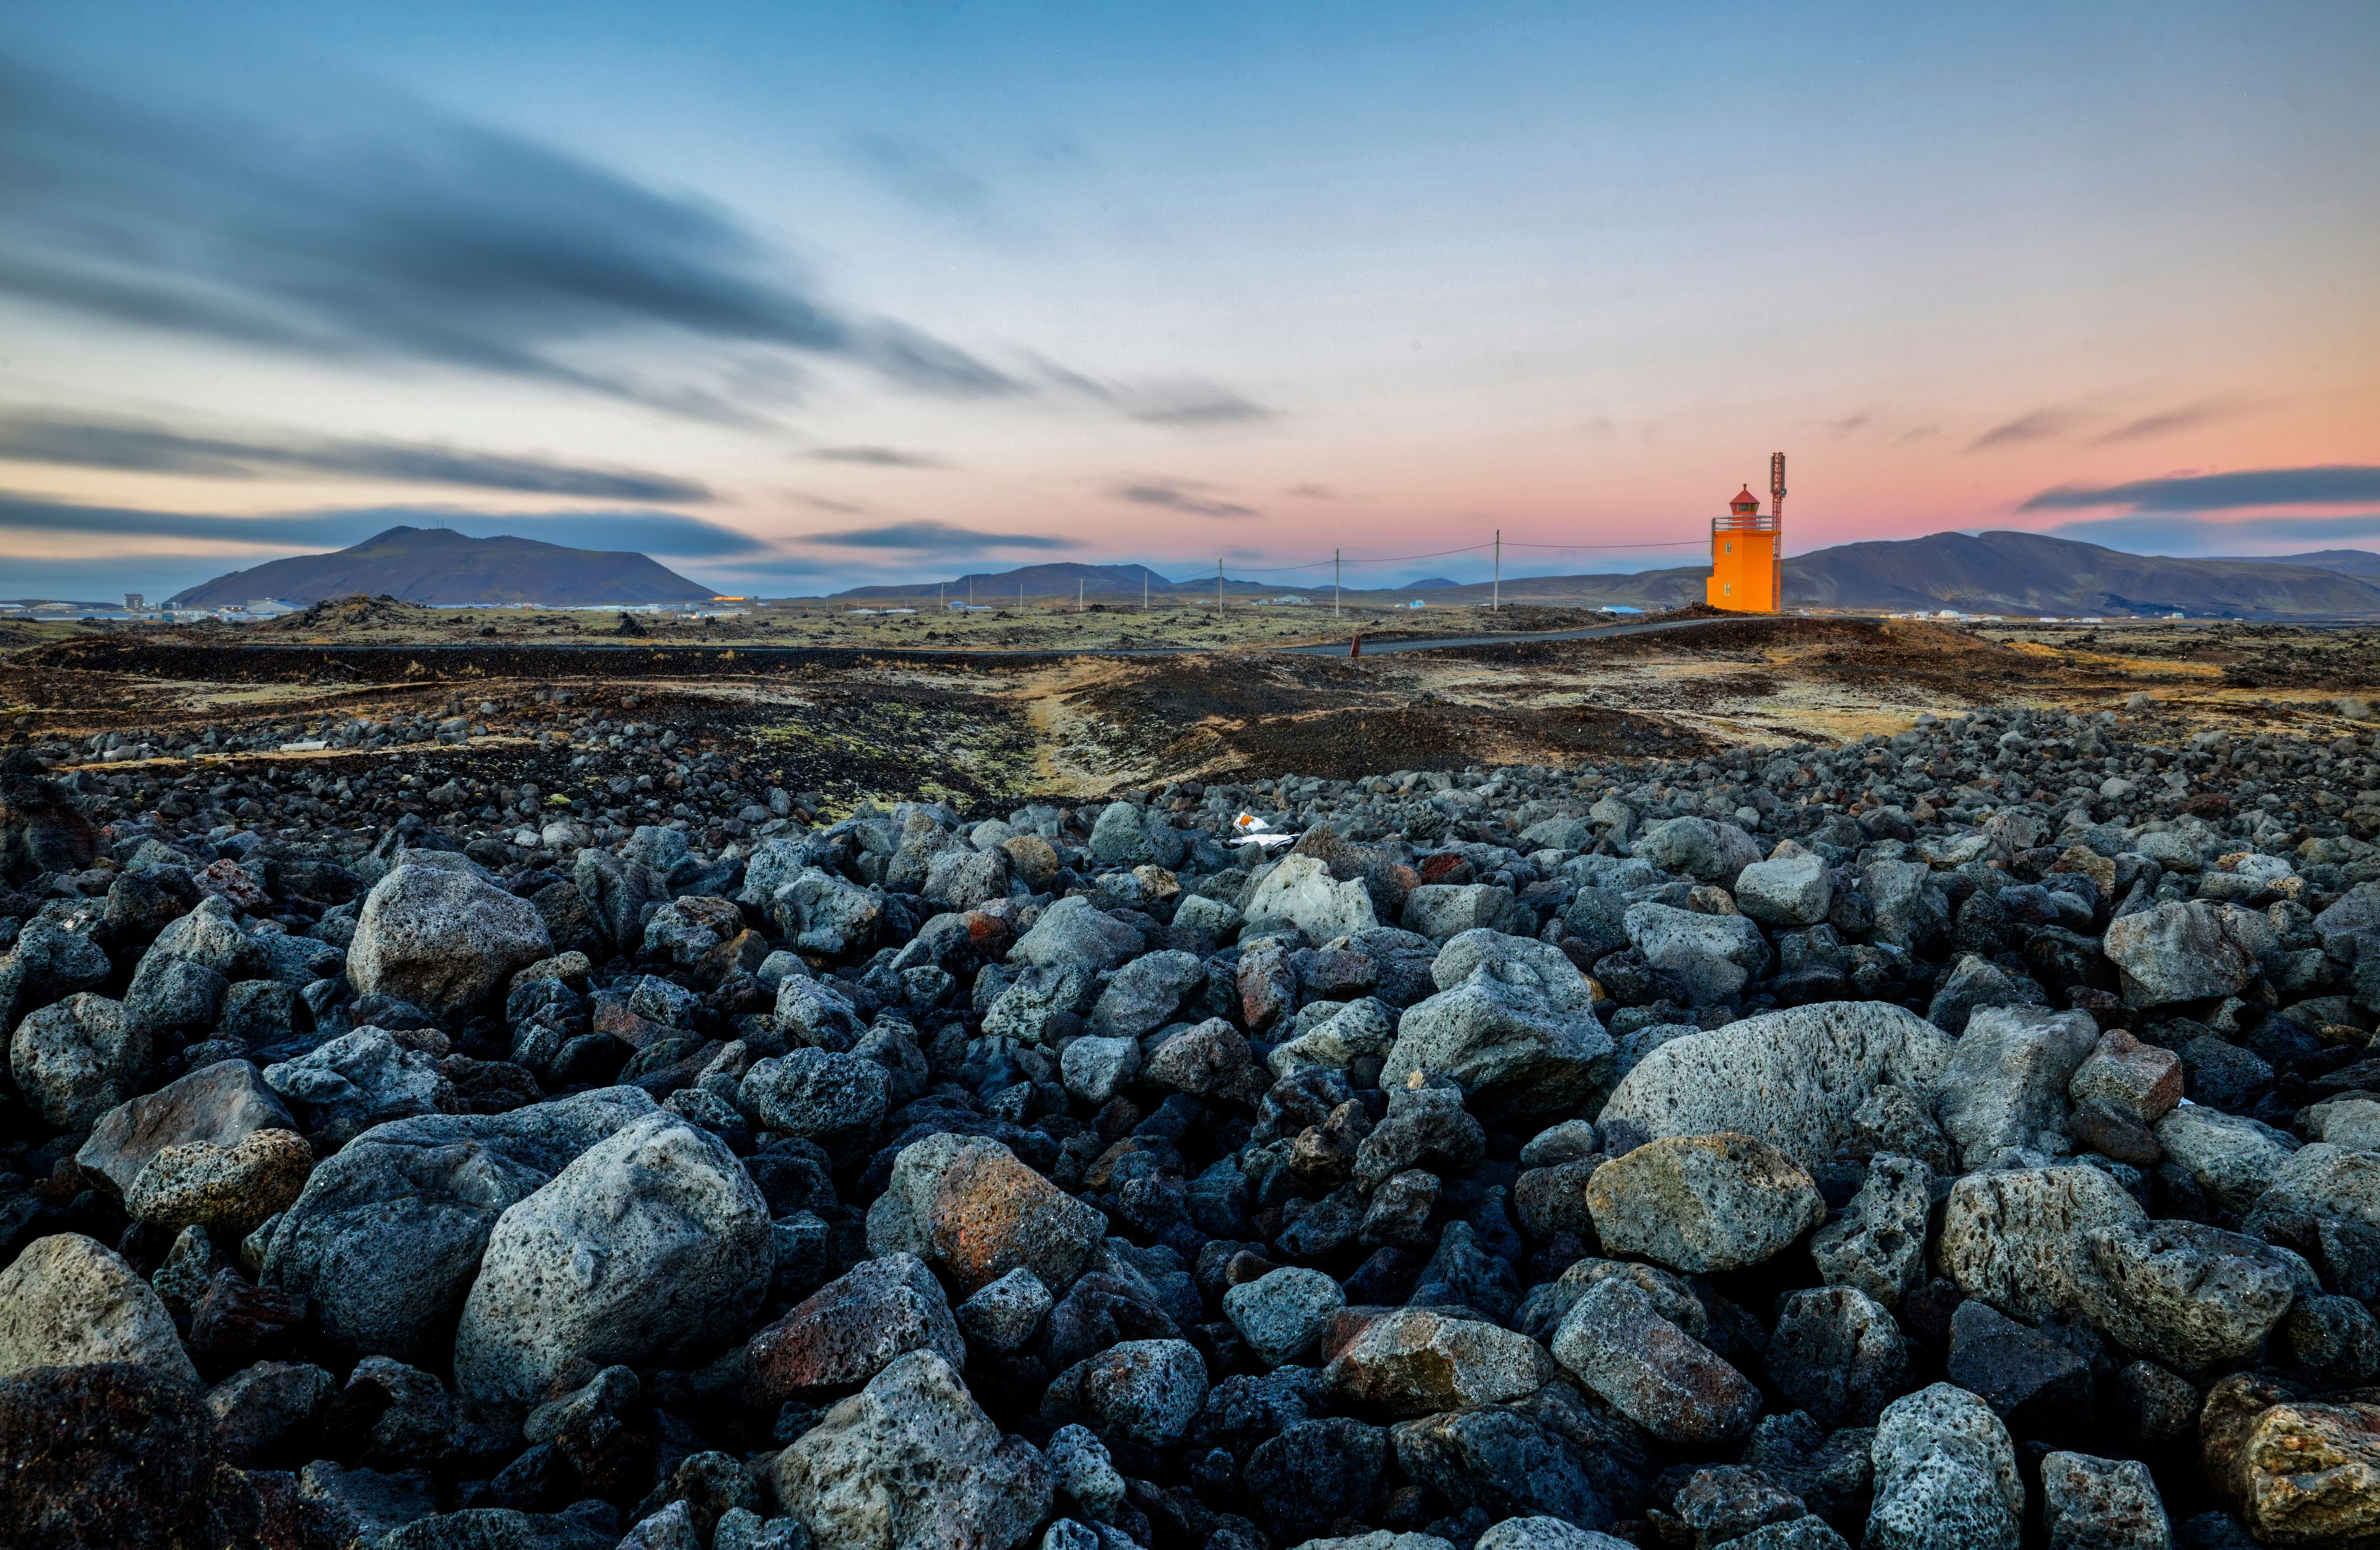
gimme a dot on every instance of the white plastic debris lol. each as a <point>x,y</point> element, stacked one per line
<point>305,746</point>
<point>1254,830</point>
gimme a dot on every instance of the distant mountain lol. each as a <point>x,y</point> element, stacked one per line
<point>2346,562</point>
<point>1055,579</point>
<point>2022,574</point>
<point>433,566</point>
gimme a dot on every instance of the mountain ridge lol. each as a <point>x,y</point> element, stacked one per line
<point>434,565</point>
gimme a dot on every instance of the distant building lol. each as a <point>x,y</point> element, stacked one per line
<point>136,602</point>
<point>270,608</point>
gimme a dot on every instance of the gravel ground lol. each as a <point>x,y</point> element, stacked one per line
<point>541,1122</point>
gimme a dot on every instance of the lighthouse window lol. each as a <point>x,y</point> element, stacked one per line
<point>1727,548</point>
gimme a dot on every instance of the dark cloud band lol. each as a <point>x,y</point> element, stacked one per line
<point>2329,484</point>
<point>135,446</point>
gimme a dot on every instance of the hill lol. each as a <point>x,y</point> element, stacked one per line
<point>433,566</point>
<point>2008,573</point>
<point>2346,562</point>
<point>1055,579</point>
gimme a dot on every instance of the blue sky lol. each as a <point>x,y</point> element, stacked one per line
<point>797,298</point>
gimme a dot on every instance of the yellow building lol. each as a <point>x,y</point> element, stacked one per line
<point>1744,558</point>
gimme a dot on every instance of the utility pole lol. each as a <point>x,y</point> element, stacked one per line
<point>1219,587</point>
<point>1496,603</point>
<point>1334,583</point>
<point>1078,594</point>
<point>1144,588</point>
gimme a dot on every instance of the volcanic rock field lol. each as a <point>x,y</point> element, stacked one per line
<point>584,1131</point>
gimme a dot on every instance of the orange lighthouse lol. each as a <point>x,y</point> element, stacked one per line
<point>1745,560</point>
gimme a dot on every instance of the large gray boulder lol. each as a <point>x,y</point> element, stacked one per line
<point>77,1059</point>
<point>911,1462</point>
<point>386,1238</point>
<point>2178,951</point>
<point>823,913</point>
<point>1075,933</point>
<point>2324,1201</point>
<point>1419,1361</point>
<point>1794,1078</point>
<point>360,1079</point>
<point>1518,1030</point>
<point>1124,835</point>
<point>222,1104</point>
<point>1877,1244</point>
<point>2234,1158</point>
<point>1301,890</point>
<point>1698,848</point>
<point>210,935</point>
<point>1789,889</point>
<point>442,939</point>
<point>1702,1203</point>
<point>1444,911</point>
<point>1616,1343</point>
<point>809,1092</point>
<point>2101,1504</point>
<point>1946,1476</point>
<point>1145,994</point>
<point>851,1329</point>
<point>969,1205</point>
<point>2070,1242</point>
<point>1713,955</point>
<point>616,893</point>
<point>68,1302</point>
<point>654,1244</point>
<point>2006,1083</point>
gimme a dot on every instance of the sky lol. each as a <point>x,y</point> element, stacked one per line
<point>801,298</point>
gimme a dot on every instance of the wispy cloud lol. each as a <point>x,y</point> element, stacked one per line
<point>654,532</point>
<point>141,446</point>
<point>1186,496</point>
<point>2333,484</point>
<point>1311,493</point>
<point>2036,425</point>
<point>924,177</point>
<point>2186,417</point>
<point>389,232</point>
<point>941,537</point>
<point>1181,400</point>
<point>880,457</point>
<point>1848,424</point>
<point>839,508</point>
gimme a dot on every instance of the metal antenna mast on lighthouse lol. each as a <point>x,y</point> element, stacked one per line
<point>1777,484</point>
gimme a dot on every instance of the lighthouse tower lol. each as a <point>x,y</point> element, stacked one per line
<point>1745,560</point>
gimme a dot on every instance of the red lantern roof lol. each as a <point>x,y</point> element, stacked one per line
<point>1745,501</point>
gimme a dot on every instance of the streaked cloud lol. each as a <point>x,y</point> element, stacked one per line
<point>1179,400</point>
<point>880,457</point>
<point>2332,484</point>
<point>2186,417</point>
<point>391,232</point>
<point>141,446</point>
<point>654,532</point>
<point>1186,496</point>
<point>2036,425</point>
<point>936,538</point>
